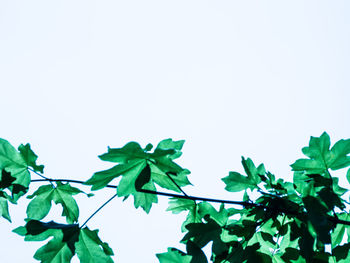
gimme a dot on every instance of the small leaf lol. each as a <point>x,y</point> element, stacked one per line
<point>4,209</point>
<point>30,157</point>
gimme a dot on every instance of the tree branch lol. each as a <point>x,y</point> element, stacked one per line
<point>333,219</point>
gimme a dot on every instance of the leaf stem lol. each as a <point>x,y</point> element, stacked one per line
<point>105,203</point>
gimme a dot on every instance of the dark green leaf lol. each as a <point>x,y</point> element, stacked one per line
<point>317,214</point>
<point>6,179</point>
<point>195,252</point>
<point>341,252</point>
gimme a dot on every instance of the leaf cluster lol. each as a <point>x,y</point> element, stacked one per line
<point>306,220</point>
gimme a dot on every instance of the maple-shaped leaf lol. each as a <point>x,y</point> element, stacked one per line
<point>321,157</point>
<point>62,194</point>
<point>30,157</point>
<point>91,249</point>
<point>13,162</point>
<point>177,205</point>
<point>173,256</point>
<point>60,249</point>
<point>236,182</point>
<point>140,169</point>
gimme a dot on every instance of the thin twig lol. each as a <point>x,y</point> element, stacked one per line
<point>105,203</point>
<point>42,176</point>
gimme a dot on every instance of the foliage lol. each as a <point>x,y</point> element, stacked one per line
<point>306,220</point>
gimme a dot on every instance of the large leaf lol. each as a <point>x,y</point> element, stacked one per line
<point>139,169</point>
<point>62,194</point>
<point>91,249</point>
<point>323,158</point>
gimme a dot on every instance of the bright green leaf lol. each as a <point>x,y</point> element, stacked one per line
<point>30,157</point>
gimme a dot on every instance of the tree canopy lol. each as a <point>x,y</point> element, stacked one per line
<point>306,220</point>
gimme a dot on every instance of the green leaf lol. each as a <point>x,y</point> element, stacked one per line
<point>169,144</point>
<point>141,170</point>
<point>202,233</point>
<point>30,157</point>
<point>323,158</point>
<point>317,213</point>
<point>6,179</point>
<point>338,232</point>
<point>91,249</point>
<point>173,256</point>
<point>55,251</point>
<point>220,216</point>
<point>177,205</point>
<point>62,194</point>
<point>252,171</point>
<point>341,252</point>
<point>195,252</point>
<point>100,179</point>
<point>60,249</point>
<point>13,162</point>
<point>129,152</point>
<point>4,209</point>
<point>163,179</point>
<point>235,182</point>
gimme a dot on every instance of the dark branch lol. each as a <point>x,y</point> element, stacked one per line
<point>333,219</point>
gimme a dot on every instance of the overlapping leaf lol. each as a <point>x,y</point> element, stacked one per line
<point>177,205</point>
<point>67,241</point>
<point>62,194</point>
<point>60,249</point>
<point>13,162</point>
<point>140,169</point>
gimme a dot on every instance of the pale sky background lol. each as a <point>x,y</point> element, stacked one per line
<point>232,78</point>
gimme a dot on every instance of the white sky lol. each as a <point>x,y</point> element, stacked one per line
<point>232,78</point>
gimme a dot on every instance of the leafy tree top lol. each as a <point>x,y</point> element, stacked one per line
<point>277,221</point>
